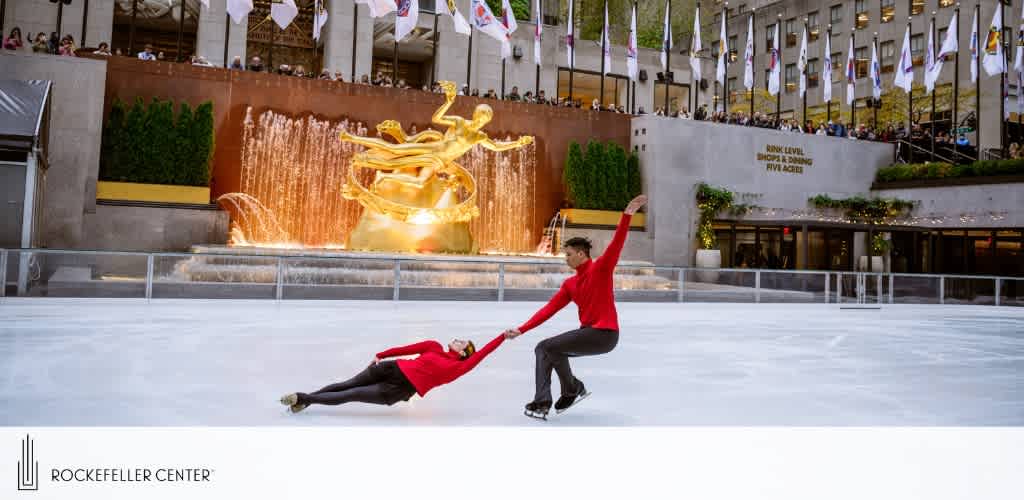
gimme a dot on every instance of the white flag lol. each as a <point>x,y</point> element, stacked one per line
<point>206,3</point>
<point>774,64</point>
<point>606,42</point>
<point>993,61</point>
<point>239,9</point>
<point>748,56</point>
<point>1018,60</point>
<point>905,68</point>
<point>461,24</point>
<point>631,66</point>
<point>801,64</point>
<point>1006,98</point>
<point>723,52</point>
<point>508,18</point>
<point>974,48</point>
<point>570,42</point>
<point>406,17</point>
<point>538,20</point>
<point>949,46</point>
<point>379,8</point>
<point>484,21</point>
<point>1020,92</point>
<point>876,73</point>
<point>930,73</point>
<point>826,71</point>
<point>284,13</point>
<point>851,75</point>
<point>319,18</point>
<point>666,39</point>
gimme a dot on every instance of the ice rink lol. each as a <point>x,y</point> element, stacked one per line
<point>72,362</point>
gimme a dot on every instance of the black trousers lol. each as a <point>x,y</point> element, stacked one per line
<point>554,353</point>
<point>379,384</point>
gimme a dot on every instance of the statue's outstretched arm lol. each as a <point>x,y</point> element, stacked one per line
<point>426,135</point>
<point>404,149</point>
<point>505,146</point>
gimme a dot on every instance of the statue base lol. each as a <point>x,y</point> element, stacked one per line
<point>380,233</point>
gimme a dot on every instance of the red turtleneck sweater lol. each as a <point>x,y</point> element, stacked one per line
<point>591,288</point>
<point>435,366</point>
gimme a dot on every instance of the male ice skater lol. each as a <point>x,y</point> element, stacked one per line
<point>591,290</point>
<point>388,382</point>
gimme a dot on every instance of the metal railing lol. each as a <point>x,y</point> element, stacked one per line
<point>149,275</point>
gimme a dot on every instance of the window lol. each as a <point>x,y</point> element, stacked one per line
<point>733,49</point>
<point>791,77</point>
<point>813,29</point>
<point>837,67</point>
<point>718,20</point>
<point>861,17</point>
<point>916,7</point>
<point>812,72</point>
<point>888,56</point>
<point>888,10</point>
<point>917,49</point>
<point>731,89</point>
<point>835,15</point>
<point>791,32</point>
<point>769,37</point>
<point>861,61</point>
<point>946,3</point>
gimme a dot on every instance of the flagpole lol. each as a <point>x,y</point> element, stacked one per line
<point>804,75</point>
<point>828,104</point>
<point>604,45</point>
<point>433,56</point>
<point>270,57</point>
<point>668,55</point>
<point>181,30</point>
<point>355,31</point>
<point>725,59</point>
<point>536,83</point>
<point>853,101</point>
<point>227,36</point>
<point>572,49</point>
<point>753,57</point>
<point>977,79</point>
<point>502,79</point>
<point>876,102</point>
<point>394,58</point>
<point>778,95</point>
<point>696,81</point>
<point>1002,88</point>
<point>956,81</point>
<point>934,61</point>
<point>910,106</point>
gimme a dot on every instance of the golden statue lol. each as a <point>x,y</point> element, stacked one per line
<point>413,204</point>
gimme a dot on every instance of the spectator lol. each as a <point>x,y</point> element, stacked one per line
<point>514,95</point>
<point>475,93</point>
<point>147,53</point>
<point>365,80</point>
<point>53,43</point>
<point>299,71</point>
<point>255,63</point>
<point>491,94</point>
<point>67,46</point>
<point>962,140</point>
<point>641,111</point>
<point>464,90</point>
<point>595,106</point>
<point>338,77</point>
<point>102,50</point>
<point>200,61</point>
<point>117,52</point>
<point>13,42</point>
<point>160,56</point>
<point>325,74</point>
<point>285,70</point>
<point>236,64</point>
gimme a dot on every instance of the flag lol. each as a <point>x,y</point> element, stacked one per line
<point>1018,62</point>
<point>379,8</point>
<point>319,18</point>
<point>826,71</point>
<point>748,56</point>
<point>538,20</point>
<point>905,69</point>
<point>666,40</point>
<point>239,9</point>
<point>930,73</point>
<point>974,47</point>
<point>993,60</point>
<point>723,51</point>
<point>570,43</point>
<point>1020,92</point>
<point>631,66</point>
<point>949,46</point>
<point>1006,98</point>
<point>484,21</point>
<point>461,25</point>
<point>508,18</point>
<point>876,73</point>
<point>606,42</point>
<point>774,64</point>
<point>851,75</point>
<point>406,17</point>
<point>801,64</point>
<point>206,3</point>
<point>284,13</point>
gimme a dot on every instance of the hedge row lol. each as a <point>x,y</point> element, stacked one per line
<point>917,171</point>
<point>603,178</point>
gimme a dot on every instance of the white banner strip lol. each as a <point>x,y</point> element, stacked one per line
<point>526,462</point>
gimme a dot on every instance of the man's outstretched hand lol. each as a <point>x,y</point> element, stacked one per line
<point>635,205</point>
<point>512,333</point>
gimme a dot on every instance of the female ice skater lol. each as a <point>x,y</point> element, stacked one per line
<point>388,382</point>
<point>591,290</point>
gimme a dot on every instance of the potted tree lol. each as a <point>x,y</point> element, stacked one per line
<point>710,200</point>
<point>879,248</point>
<point>600,180</point>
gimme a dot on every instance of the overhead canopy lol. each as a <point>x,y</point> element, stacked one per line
<point>24,109</point>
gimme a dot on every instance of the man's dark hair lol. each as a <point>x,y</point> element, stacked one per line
<point>580,244</point>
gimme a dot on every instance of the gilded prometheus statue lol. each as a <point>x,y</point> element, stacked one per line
<point>413,203</point>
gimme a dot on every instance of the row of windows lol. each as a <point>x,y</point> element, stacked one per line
<point>862,12</point>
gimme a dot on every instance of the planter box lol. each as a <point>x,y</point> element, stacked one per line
<point>157,193</point>
<point>600,217</point>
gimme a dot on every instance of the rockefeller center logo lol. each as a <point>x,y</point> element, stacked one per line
<point>28,467</point>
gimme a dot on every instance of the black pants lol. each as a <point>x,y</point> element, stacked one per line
<point>554,353</point>
<point>380,384</point>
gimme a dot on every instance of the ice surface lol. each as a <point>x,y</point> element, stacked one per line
<point>196,362</point>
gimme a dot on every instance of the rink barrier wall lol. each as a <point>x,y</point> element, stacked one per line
<point>69,274</point>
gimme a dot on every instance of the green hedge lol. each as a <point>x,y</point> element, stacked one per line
<point>605,177</point>
<point>149,144</point>
<point>918,171</point>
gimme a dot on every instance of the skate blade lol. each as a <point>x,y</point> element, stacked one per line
<point>536,415</point>
<point>290,399</point>
<point>579,398</point>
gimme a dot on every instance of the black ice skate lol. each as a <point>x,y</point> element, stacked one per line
<point>292,402</point>
<point>566,402</point>
<point>537,410</point>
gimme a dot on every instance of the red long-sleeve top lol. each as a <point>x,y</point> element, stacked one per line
<point>434,366</point>
<point>591,288</point>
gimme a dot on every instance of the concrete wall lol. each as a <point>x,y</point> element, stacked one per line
<point>210,38</point>
<point>118,227</point>
<point>676,155</point>
<point>639,244</point>
<point>75,130</point>
<point>979,206</point>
